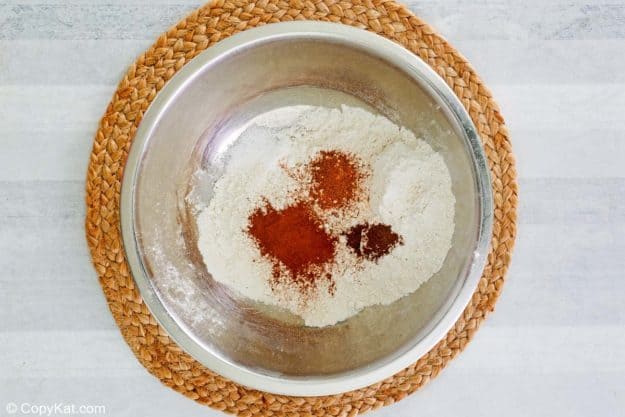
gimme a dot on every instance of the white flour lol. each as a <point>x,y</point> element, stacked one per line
<point>410,190</point>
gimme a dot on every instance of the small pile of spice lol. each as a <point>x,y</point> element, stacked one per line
<point>372,241</point>
<point>294,239</point>
<point>337,179</point>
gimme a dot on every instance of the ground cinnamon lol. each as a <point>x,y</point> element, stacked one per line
<point>336,179</point>
<point>294,239</point>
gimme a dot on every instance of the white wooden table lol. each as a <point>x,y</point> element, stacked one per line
<point>555,345</point>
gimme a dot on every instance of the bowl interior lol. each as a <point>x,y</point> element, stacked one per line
<point>211,106</point>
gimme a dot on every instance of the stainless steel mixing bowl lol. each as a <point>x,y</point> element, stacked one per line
<point>205,106</point>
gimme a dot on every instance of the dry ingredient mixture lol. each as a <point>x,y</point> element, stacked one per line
<point>327,211</point>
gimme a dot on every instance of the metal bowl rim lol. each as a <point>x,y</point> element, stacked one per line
<point>387,50</point>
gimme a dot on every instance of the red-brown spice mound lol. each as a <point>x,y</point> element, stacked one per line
<point>293,237</point>
<point>372,241</point>
<point>336,179</point>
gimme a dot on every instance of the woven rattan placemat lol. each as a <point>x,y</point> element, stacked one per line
<point>204,27</point>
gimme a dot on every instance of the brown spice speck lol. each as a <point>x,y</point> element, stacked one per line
<point>372,241</point>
